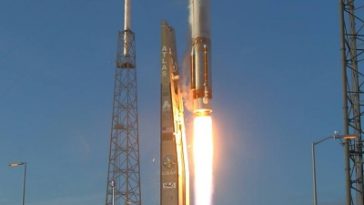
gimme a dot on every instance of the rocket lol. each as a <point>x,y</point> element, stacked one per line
<point>200,58</point>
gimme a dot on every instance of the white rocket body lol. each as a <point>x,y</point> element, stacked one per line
<point>200,56</point>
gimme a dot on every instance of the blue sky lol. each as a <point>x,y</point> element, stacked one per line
<point>276,86</point>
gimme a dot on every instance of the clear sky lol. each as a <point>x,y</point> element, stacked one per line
<point>276,87</point>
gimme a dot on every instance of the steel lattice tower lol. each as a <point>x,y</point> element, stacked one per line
<point>123,180</point>
<point>352,49</point>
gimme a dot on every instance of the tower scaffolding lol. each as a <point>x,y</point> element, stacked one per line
<point>352,52</point>
<point>123,179</point>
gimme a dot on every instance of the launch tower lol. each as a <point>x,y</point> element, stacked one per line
<point>174,186</point>
<point>352,50</point>
<point>123,180</point>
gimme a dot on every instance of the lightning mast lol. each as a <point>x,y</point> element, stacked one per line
<point>352,50</point>
<point>123,180</point>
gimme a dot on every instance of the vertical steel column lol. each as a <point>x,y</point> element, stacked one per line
<point>352,48</point>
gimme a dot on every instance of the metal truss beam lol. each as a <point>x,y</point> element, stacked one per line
<point>352,47</point>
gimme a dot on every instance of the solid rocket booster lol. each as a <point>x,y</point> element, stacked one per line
<point>200,56</point>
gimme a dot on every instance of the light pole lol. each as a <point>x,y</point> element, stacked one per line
<point>335,136</point>
<point>16,164</point>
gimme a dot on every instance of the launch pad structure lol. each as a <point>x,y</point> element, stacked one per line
<point>174,169</point>
<point>123,179</point>
<point>352,50</point>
